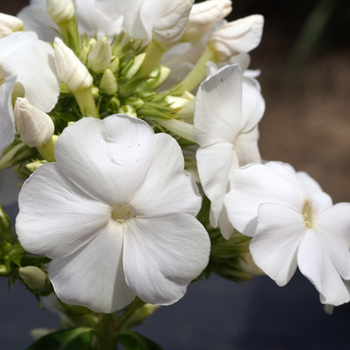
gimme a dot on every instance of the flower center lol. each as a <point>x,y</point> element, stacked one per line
<point>121,213</point>
<point>307,214</point>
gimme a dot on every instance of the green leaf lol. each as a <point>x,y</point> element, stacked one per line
<point>135,341</point>
<point>68,339</point>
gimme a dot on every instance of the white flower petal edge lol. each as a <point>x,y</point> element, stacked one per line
<point>293,223</point>
<point>7,120</point>
<point>227,110</point>
<point>23,55</point>
<point>110,216</point>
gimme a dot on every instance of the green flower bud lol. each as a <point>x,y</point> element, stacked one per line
<point>130,70</point>
<point>183,105</point>
<point>114,66</point>
<point>35,165</point>
<point>129,110</point>
<point>109,83</point>
<point>100,55</point>
<point>33,277</point>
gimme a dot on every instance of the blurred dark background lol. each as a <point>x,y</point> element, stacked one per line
<point>304,59</point>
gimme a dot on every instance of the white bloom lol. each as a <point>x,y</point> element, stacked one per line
<point>116,216</point>
<point>90,21</point>
<point>204,16</point>
<point>227,111</point>
<point>33,277</point>
<point>32,61</point>
<point>140,17</point>
<point>35,127</point>
<point>69,68</point>
<point>9,24</point>
<point>293,223</point>
<point>242,35</point>
<point>60,10</point>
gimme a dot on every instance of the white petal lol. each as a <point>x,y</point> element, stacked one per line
<point>247,147</point>
<point>215,163</point>
<point>169,28</point>
<point>333,228</point>
<point>166,189</point>
<point>275,243</point>
<point>55,217</point>
<point>107,158</point>
<point>7,120</point>
<point>218,113</point>
<point>35,18</point>
<point>162,255</point>
<point>253,106</point>
<point>315,264</point>
<point>91,22</point>
<point>32,60</point>
<point>255,184</point>
<point>225,225</point>
<point>93,276</point>
<point>242,35</point>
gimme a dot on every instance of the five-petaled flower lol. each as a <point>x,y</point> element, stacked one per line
<point>116,214</point>
<point>293,223</point>
<point>228,108</point>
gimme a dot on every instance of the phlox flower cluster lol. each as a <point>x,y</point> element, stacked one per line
<point>125,119</point>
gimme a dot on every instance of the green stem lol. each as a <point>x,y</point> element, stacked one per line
<point>47,150</point>
<point>154,53</point>
<point>135,305</point>
<point>86,102</point>
<point>105,333</point>
<point>70,35</point>
<point>196,75</point>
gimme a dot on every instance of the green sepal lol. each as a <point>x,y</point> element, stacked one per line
<point>135,341</point>
<point>68,339</point>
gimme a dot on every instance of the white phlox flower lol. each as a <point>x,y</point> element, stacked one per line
<point>293,224</point>
<point>91,22</point>
<point>116,214</point>
<point>227,111</point>
<point>31,60</point>
<point>142,17</point>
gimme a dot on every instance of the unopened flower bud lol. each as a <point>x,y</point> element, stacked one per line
<point>60,10</point>
<point>205,15</point>
<point>109,83</point>
<point>35,165</point>
<point>70,70</point>
<point>168,30</point>
<point>100,55</point>
<point>9,24</point>
<point>134,67</point>
<point>248,265</point>
<point>157,78</point>
<point>128,110</point>
<point>33,277</point>
<point>183,105</point>
<point>242,35</point>
<point>114,66</point>
<point>35,127</point>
